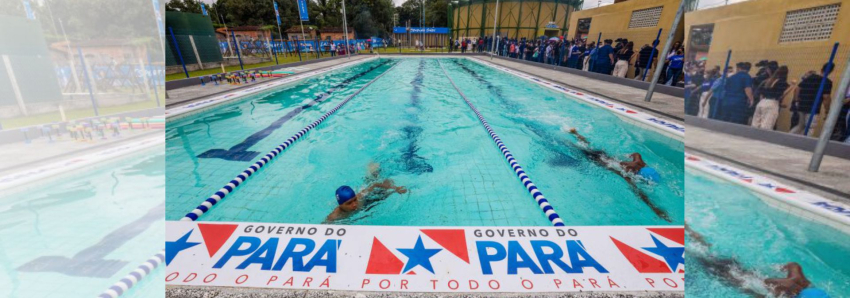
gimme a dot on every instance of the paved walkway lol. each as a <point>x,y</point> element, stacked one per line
<point>663,103</point>
<point>784,164</point>
<point>19,156</point>
<point>186,95</point>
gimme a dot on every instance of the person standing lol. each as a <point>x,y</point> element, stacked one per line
<point>643,60</point>
<point>807,93</point>
<point>771,92</point>
<point>705,91</point>
<point>624,57</point>
<point>604,58</point>
<point>588,55</point>
<point>674,68</point>
<point>737,96</point>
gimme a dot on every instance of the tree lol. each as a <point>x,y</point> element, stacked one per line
<point>190,6</point>
<point>436,13</point>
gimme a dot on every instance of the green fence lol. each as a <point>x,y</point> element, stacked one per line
<point>189,27</point>
<point>27,60</point>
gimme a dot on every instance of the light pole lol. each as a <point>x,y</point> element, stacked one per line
<point>495,21</point>
<point>345,30</point>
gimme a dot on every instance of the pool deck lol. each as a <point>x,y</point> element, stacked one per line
<point>186,95</point>
<point>778,162</point>
<point>19,156</point>
<point>226,292</point>
<point>662,105</point>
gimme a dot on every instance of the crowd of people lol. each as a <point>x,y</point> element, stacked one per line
<point>612,57</point>
<point>739,97</point>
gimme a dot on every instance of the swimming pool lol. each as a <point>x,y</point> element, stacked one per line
<point>756,239</point>
<point>76,235</point>
<point>418,129</point>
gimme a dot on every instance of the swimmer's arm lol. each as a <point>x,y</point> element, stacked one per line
<point>332,217</point>
<point>580,137</point>
<point>386,184</point>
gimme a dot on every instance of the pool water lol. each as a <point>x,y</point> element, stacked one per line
<point>75,236</point>
<point>759,239</point>
<point>419,132</point>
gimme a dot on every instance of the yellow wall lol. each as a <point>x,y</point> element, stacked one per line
<point>613,21</point>
<point>510,13</point>
<point>751,29</point>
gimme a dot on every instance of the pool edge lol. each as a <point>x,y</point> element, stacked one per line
<point>205,103</point>
<point>800,203</point>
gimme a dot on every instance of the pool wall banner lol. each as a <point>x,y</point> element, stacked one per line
<point>835,214</point>
<point>425,259</point>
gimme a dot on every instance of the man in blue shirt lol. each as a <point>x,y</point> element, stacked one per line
<point>737,96</point>
<point>575,54</point>
<point>604,58</point>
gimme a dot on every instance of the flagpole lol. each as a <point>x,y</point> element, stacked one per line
<point>277,15</point>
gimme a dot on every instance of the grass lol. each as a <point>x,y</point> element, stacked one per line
<point>76,114</point>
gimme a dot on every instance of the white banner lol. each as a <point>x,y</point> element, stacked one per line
<point>426,259</point>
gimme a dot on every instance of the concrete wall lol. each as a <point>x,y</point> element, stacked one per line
<point>752,29</point>
<point>613,21</point>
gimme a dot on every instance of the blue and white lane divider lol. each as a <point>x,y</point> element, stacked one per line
<point>520,173</point>
<point>227,189</point>
<point>134,277</point>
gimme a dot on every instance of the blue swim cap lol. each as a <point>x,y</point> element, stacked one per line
<point>813,293</point>
<point>344,194</point>
<point>650,174</point>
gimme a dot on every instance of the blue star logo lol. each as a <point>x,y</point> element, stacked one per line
<point>172,248</point>
<point>672,255</point>
<point>419,255</point>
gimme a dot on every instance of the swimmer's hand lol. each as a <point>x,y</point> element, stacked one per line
<point>400,190</point>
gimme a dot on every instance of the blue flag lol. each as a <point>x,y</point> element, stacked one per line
<point>276,13</point>
<point>31,15</point>
<point>158,16</point>
<point>204,9</point>
<point>302,10</point>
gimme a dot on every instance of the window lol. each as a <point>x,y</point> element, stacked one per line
<point>809,24</point>
<point>645,17</point>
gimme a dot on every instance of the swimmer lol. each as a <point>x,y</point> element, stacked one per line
<point>728,270</point>
<point>638,167</point>
<point>795,284</point>
<point>600,157</point>
<point>348,201</point>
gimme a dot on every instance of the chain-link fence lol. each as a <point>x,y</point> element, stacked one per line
<point>90,79</point>
<point>787,89</point>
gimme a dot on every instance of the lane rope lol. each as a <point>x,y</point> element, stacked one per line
<point>233,184</point>
<point>133,277</point>
<point>520,173</point>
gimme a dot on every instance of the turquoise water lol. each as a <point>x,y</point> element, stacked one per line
<point>417,128</point>
<point>759,239</point>
<point>75,236</point>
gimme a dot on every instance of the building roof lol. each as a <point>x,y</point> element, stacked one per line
<point>297,29</point>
